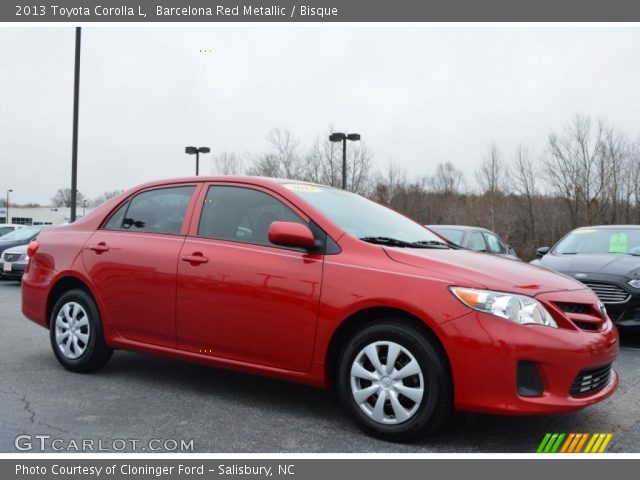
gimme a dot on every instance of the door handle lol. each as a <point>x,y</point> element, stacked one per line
<point>99,248</point>
<point>195,258</point>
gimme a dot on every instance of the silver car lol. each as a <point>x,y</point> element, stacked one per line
<point>13,263</point>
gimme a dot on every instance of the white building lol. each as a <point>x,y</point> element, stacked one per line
<point>40,215</point>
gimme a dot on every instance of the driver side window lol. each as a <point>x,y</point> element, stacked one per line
<point>242,214</point>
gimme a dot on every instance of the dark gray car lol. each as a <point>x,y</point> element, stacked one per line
<point>476,239</point>
<point>606,259</point>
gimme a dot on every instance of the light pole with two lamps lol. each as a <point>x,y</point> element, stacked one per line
<point>343,137</point>
<point>197,151</point>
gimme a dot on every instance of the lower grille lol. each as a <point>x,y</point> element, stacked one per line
<point>11,257</point>
<point>591,380</point>
<point>609,292</point>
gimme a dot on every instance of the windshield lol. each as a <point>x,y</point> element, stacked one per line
<point>360,217</point>
<point>451,234</point>
<point>600,240</point>
<point>22,234</point>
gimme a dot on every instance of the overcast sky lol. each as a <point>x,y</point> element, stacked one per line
<point>418,96</point>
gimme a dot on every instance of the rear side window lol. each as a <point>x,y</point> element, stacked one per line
<point>242,214</point>
<point>494,244</point>
<point>156,211</point>
<point>476,242</point>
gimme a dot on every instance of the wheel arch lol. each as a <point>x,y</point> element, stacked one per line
<point>366,316</point>
<point>64,284</point>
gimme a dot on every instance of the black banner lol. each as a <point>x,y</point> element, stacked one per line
<point>75,11</point>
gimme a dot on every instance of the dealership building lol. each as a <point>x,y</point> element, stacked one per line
<point>39,215</point>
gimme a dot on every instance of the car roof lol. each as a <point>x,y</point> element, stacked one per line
<point>256,180</point>
<point>609,227</point>
<point>457,227</point>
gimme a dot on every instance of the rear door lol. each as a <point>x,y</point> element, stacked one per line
<point>241,297</point>
<point>132,261</point>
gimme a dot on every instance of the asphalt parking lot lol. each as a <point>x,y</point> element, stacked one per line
<point>137,397</point>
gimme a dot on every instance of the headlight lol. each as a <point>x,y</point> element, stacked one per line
<point>518,308</point>
<point>635,283</point>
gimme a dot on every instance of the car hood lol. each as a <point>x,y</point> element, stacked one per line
<point>607,263</point>
<point>19,249</point>
<point>490,271</point>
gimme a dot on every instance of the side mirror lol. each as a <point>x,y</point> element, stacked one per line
<point>542,251</point>
<point>291,234</point>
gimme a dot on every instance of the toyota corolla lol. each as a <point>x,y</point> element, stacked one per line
<point>313,284</point>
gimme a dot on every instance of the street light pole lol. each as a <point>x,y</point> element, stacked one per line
<point>8,192</point>
<point>74,148</point>
<point>341,137</point>
<point>197,151</point>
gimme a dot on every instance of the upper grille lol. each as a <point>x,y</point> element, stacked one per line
<point>581,308</point>
<point>591,380</point>
<point>609,292</point>
<point>11,257</point>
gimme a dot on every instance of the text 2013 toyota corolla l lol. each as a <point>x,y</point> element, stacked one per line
<point>313,284</point>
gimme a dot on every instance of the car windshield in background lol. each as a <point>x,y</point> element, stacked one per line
<point>599,241</point>
<point>365,219</point>
<point>22,234</point>
<point>452,234</point>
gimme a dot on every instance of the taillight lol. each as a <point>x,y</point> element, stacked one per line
<point>33,248</point>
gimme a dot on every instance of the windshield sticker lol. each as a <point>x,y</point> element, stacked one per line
<point>586,230</point>
<point>618,243</point>
<point>299,187</point>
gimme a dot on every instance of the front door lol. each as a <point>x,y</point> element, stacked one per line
<point>241,297</point>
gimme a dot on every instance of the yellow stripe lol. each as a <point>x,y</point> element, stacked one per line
<point>592,440</point>
<point>596,445</point>
<point>606,442</point>
<point>567,442</point>
<point>577,438</point>
<point>583,439</point>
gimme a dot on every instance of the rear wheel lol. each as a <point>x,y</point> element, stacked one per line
<point>75,331</point>
<point>394,381</point>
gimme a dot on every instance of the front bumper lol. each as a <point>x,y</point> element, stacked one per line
<point>16,270</point>
<point>485,352</point>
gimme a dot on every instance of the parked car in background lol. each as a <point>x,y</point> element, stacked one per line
<point>8,228</point>
<point>314,284</point>
<point>19,237</point>
<point>13,261</point>
<point>607,260</point>
<point>476,239</point>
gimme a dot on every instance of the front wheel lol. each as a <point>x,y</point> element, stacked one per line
<point>75,331</point>
<point>394,381</point>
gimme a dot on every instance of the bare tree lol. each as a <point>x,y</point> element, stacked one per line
<point>490,174</point>
<point>524,174</point>
<point>62,198</point>
<point>99,200</point>
<point>227,163</point>
<point>447,179</point>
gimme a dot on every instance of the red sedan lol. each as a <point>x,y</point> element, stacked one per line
<point>313,284</point>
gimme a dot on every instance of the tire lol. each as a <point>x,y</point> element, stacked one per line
<point>398,418</point>
<point>76,316</point>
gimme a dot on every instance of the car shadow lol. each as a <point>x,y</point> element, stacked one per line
<point>461,432</point>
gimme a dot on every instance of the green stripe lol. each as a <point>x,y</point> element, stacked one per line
<point>558,443</point>
<point>543,443</point>
<point>550,443</point>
